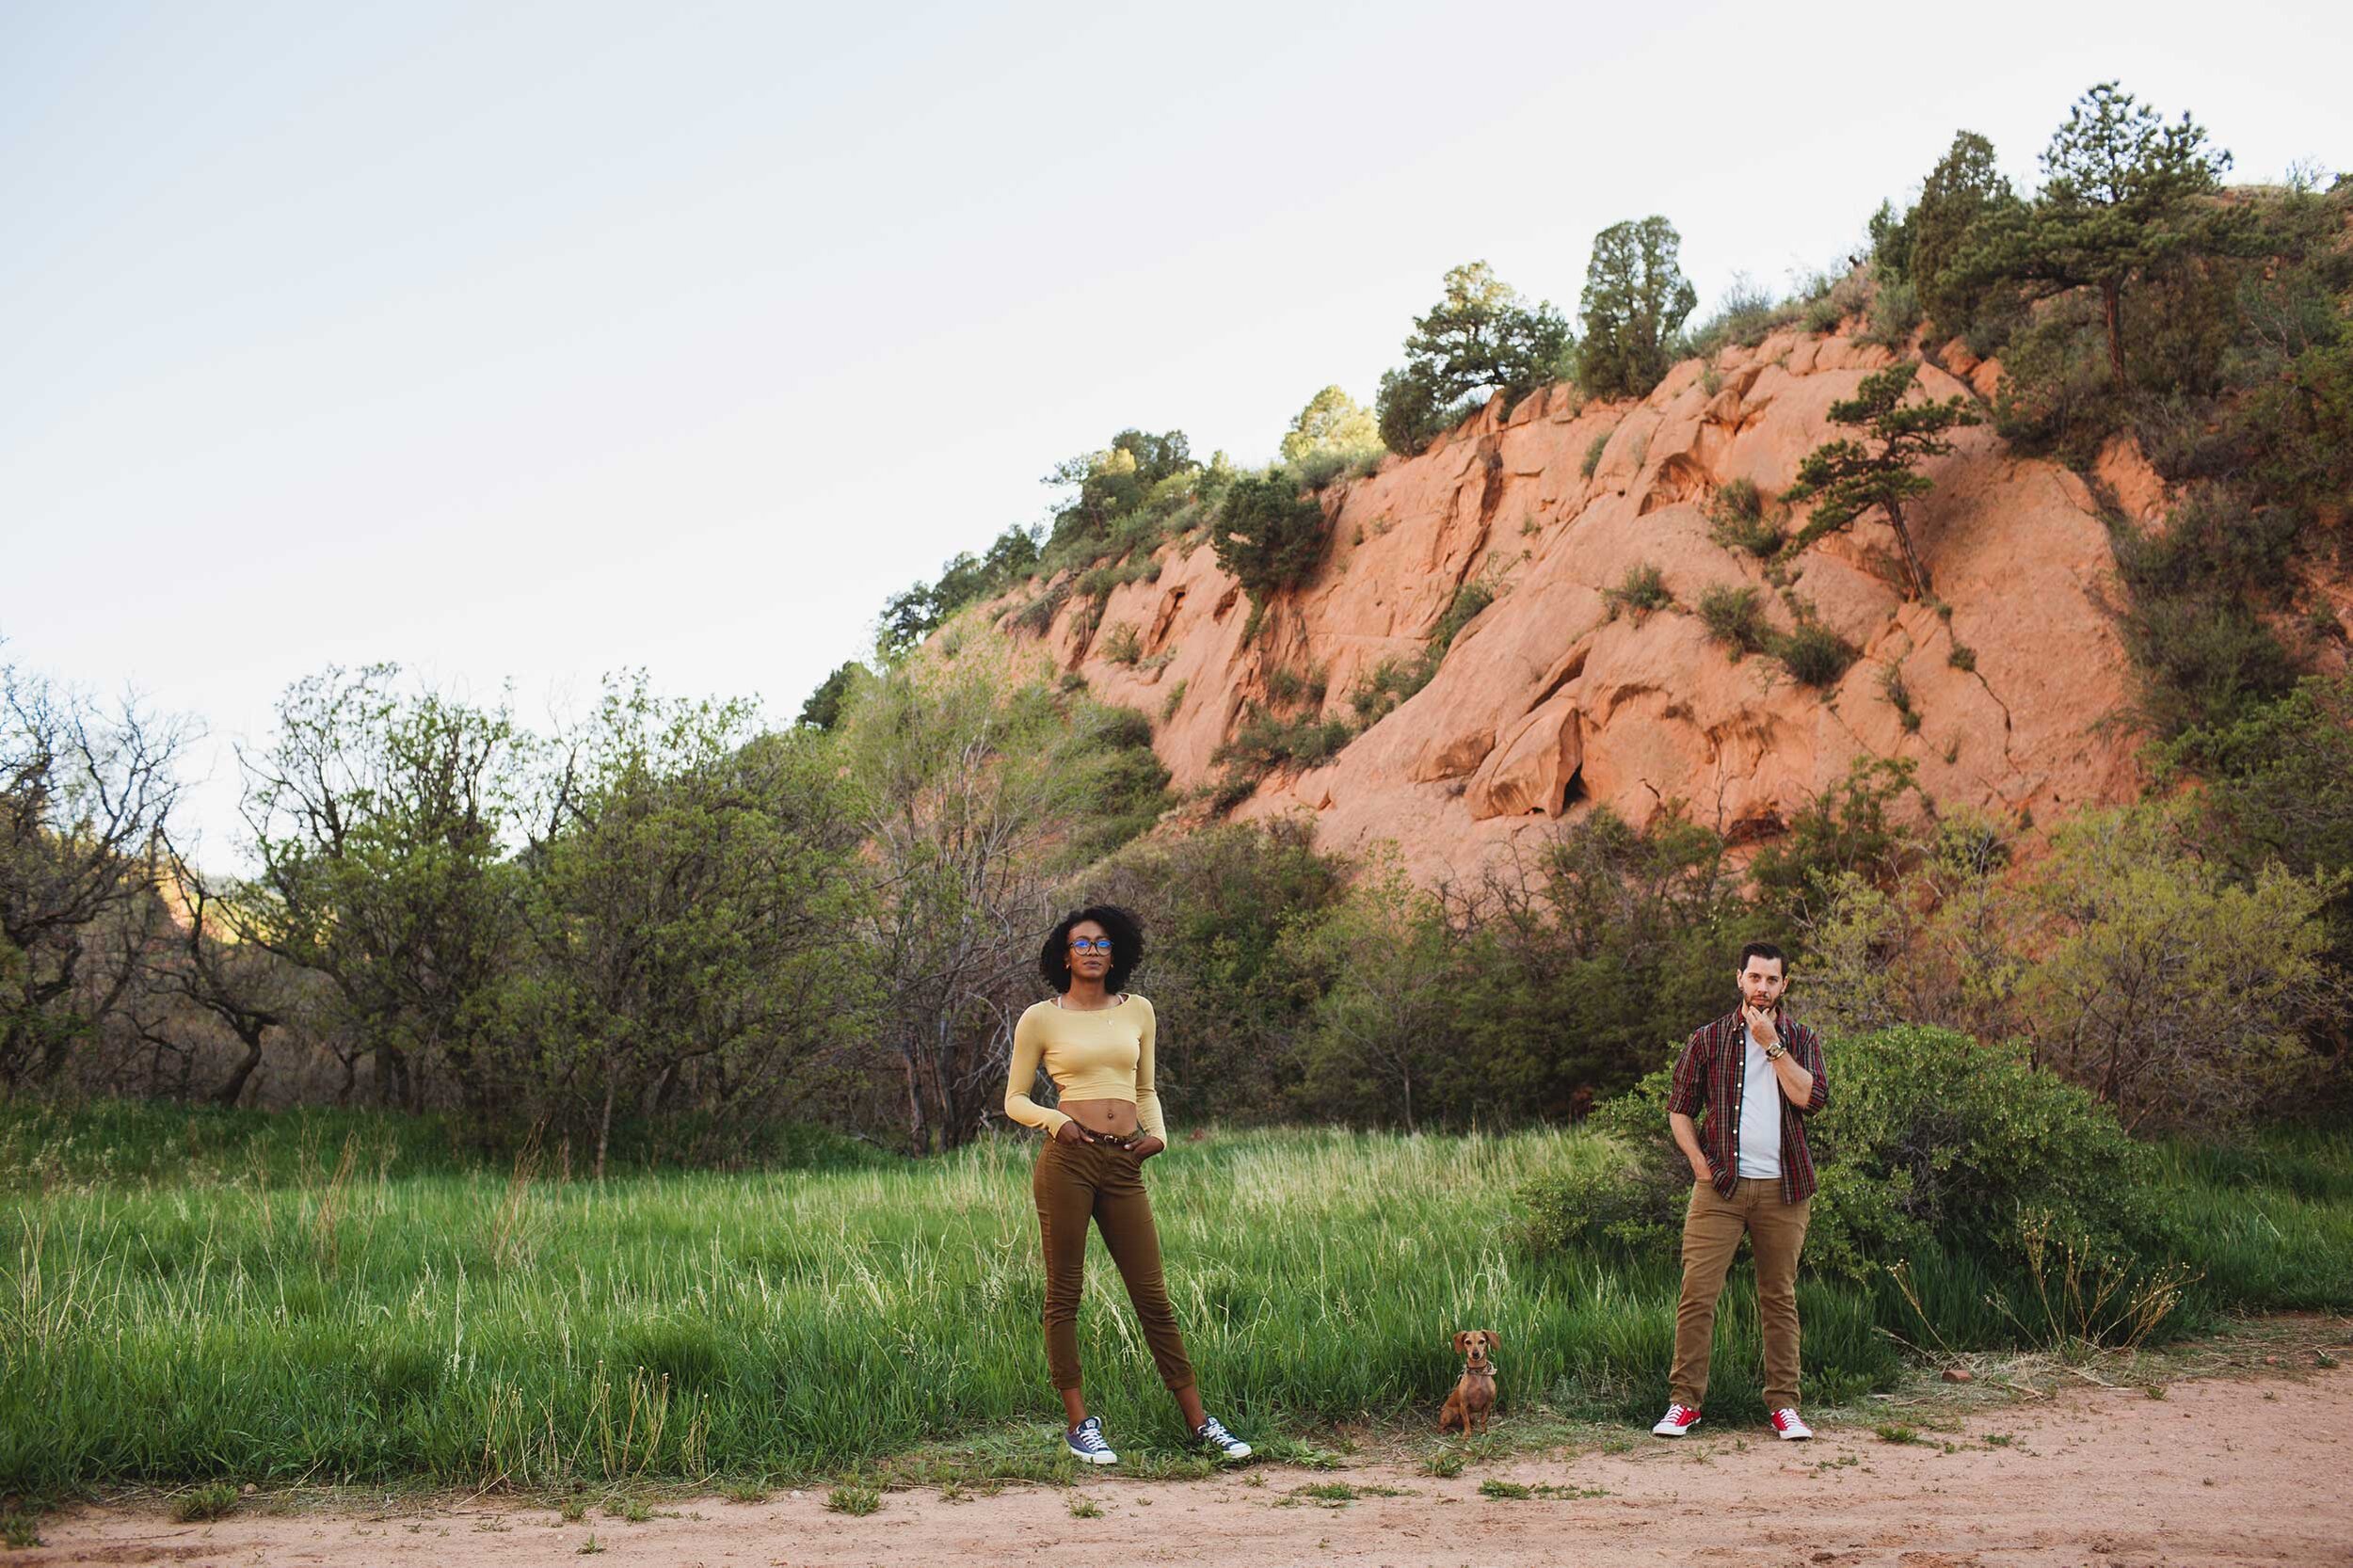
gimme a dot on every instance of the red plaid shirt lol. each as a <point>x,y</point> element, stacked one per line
<point>1708,1076</point>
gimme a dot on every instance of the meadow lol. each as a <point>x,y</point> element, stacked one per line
<point>335,1297</point>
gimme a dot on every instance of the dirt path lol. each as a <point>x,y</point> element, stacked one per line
<point>2225,1471</point>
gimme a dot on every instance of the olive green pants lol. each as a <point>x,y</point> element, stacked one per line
<point>1712,1228</point>
<point>1074,1183</point>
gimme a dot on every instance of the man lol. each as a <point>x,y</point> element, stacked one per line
<point>1757,1074</point>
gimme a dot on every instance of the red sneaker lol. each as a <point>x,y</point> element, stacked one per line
<point>1679,1420</point>
<point>1792,1429</point>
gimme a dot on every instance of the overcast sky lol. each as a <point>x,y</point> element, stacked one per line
<point>529,342</point>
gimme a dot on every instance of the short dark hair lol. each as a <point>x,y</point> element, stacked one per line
<point>1122,927</point>
<point>1762,950</point>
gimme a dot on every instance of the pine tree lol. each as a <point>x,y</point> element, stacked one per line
<point>1635,298</point>
<point>2121,193</point>
<point>1846,478</point>
<point>1480,338</point>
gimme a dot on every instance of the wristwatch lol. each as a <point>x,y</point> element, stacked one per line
<point>1775,1051</point>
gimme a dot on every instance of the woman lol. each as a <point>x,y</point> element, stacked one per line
<point>1095,1041</point>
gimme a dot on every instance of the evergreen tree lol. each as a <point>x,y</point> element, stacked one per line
<point>1269,534</point>
<point>1963,188</point>
<point>1481,338</point>
<point>1635,298</point>
<point>1846,478</point>
<point>2121,193</point>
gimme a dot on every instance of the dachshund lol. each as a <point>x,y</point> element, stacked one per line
<point>1474,1394</point>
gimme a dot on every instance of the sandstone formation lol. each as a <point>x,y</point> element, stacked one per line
<point>1552,702</point>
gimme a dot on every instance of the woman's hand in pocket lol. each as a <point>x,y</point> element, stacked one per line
<point>1070,1132</point>
<point>1147,1146</point>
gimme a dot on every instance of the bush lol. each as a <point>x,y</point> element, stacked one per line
<point>1269,535</point>
<point>1746,316</point>
<point>1121,644</point>
<point>1643,590</point>
<point>1265,742</point>
<point>2203,655</point>
<point>1593,454</point>
<point>1895,314</point>
<point>1844,829</point>
<point>1736,617</point>
<point>2057,395</point>
<point>1813,655</point>
<point>1736,521</point>
<point>1929,1138</point>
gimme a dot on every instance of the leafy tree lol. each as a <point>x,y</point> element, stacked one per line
<point>1269,534</point>
<point>694,918</point>
<point>1846,478</point>
<point>86,796</point>
<point>822,710</point>
<point>1381,1031</point>
<point>910,617</point>
<point>1635,298</point>
<point>2166,986</point>
<point>970,788</point>
<point>1331,422</point>
<point>377,816</point>
<point>2121,193</point>
<point>1480,338</point>
<point>1107,485</point>
<point>1224,903</point>
<point>907,618</point>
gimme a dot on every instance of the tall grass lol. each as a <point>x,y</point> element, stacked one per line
<point>345,1322</point>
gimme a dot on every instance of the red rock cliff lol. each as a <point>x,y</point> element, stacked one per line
<point>1548,704</point>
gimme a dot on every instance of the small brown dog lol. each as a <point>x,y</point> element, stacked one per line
<point>1474,1393</point>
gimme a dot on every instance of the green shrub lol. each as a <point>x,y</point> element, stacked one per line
<point>1813,655</point>
<point>1929,1138</point>
<point>1269,535</point>
<point>214,1501</point>
<point>2203,654</point>
<point>1737,520</point>
<point>1899,695</point>
<point>1746,315</point>
<point>1037,617</point>
<point>1844,829</point>
<point>1320,468</point>
<point>2057,395</point>
<point>1121,644</point>
<point>1642,590</point>
<point>1265,742</point>
<point>1736,617</point>
<point>1176,700</point>
<point>1895,314</point>
<point>1470,599</point>
<point>1592,453</point>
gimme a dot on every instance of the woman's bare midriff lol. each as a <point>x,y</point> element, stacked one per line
<point>1117,1117</point>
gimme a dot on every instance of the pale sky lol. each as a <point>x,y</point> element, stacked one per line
<point>526,343</point>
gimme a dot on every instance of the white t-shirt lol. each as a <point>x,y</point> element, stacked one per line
<point>1760,1112</point>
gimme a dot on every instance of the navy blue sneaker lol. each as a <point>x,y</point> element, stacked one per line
<point>1213,1433</point>
<point>1085,1442</point>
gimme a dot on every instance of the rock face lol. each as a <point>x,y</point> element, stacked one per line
<point>1553,701</point>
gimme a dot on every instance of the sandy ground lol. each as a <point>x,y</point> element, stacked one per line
<point>2222,1471</point>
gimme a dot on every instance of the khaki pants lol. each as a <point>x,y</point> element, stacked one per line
<point>1072,1184</point>
<point>1712,1228</point>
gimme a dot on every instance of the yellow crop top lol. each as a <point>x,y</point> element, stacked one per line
<point>1102,1054</point>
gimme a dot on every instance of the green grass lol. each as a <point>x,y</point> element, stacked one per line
<point>224,1319</point>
